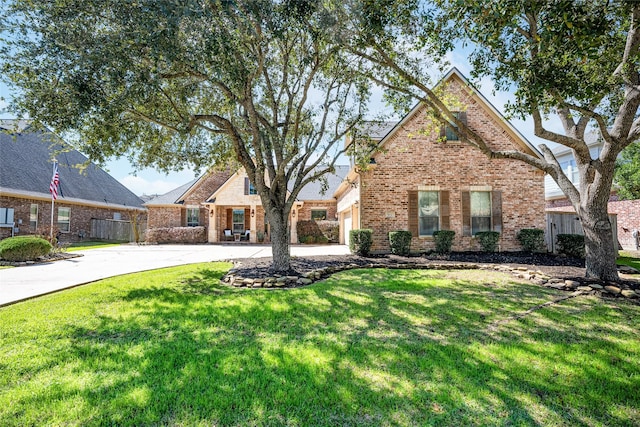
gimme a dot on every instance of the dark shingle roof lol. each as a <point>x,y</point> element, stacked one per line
<point>173,196</point>
<point>376,130</point>
<point>26,167</point>
<point>313,190</point>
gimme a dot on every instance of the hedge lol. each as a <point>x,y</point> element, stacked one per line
<point>24,248</point>
<point>532,240</point>
<point>360,241</point>
<point>177,235</point>
<point>443,240</point>
<point>571,245</point>
<point>321,231</point>
<point>488,240</point>
<point>400,242</point>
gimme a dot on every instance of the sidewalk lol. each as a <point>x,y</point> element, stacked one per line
<point>20,283</point>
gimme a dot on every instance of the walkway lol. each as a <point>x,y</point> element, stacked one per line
<point>20,283</point>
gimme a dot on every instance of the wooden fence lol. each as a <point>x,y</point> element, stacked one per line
<point>569,223</point>
<point>111,229</point>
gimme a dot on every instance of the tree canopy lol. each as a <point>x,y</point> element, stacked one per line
<point>575,59</point>
<point>627,177</point>
<point>175,84</point>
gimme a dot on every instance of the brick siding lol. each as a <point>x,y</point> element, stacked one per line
<point>412,159</point>
<point>80,217</point>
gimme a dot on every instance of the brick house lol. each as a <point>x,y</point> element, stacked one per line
<point>416,183</point>
<point>228,208</point>
<point>627,212</point>
<point>26,162</point>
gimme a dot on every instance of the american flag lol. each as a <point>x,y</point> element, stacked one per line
<point>55,182</point>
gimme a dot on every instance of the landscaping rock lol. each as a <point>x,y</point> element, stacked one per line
<point>585,288</point>
<point>629,294</point>
<point>625,269</point>
<point>571,284</point>
<point>612,289</point>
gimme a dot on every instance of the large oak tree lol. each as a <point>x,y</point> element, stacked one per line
<point>174,84</point>
<point>575,59</point>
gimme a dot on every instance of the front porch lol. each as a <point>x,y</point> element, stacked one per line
<point>243,223</point>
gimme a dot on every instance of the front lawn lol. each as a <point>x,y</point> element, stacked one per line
<point>366,347</point>
<point>627,258</point>
<point>91,244</point>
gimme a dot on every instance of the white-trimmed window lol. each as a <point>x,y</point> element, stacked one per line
<point>64,219</point>
<point>318,214</point>
<point>428,212</point>
<point>33,217</point>
<point>193,217</point>
<point>480,211</point>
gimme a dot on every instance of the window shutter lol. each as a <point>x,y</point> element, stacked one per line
<point>466,213</point>
<point>445,223</point>
<point>246,186</point>
<point>230,219</point>
<point>412,212</point>
<point>247,219</point>
<point>443,130</point>
<point>496,210</point>
<point>462,116</point>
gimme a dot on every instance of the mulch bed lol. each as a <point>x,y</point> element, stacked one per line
<point>555,266</point>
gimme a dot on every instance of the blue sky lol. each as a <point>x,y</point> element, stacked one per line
<point>150,181</point>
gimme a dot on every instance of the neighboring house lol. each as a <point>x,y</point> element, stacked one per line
<point>416,182</point>
<point>627,212</point>
<point>26,164</point>
<point>220,201</point>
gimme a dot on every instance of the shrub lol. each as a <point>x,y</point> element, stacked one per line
<point>400,242</point>
<point>443,240</point>
<point>307,239</point>
<point>330,230</point>
<point>319,230</point>
<point>322,239</point>
<point>360,241</point>
<point>24,248</point>
<point>176,235</point>
<point>488,240</point>
<point>571,245</point>
<point>531,239</point>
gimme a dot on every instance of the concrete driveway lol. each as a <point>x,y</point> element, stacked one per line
<point>20,283</point>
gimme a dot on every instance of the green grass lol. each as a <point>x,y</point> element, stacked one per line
<point>82,246</point>
<point>627,258</point>
<point>366,347</point>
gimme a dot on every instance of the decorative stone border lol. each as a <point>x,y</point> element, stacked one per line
<point>233,278</point>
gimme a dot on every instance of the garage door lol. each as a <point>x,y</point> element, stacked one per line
<point>347,228</point>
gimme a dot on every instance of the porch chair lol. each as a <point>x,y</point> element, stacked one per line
<point>228,235</point>
<point>245,236</point>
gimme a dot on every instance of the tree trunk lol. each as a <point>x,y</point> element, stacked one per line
<point>280,241</point>
<point>600,249</point>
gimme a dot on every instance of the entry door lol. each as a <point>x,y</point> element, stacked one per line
<point>238,221</point>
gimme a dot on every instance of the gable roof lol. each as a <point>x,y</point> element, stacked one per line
<point>26,163</point>
<point>453,74</point>
<point>313,190</point>
<point>173,197</point>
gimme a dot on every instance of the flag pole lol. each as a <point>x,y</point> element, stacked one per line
<point>53,188</point>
